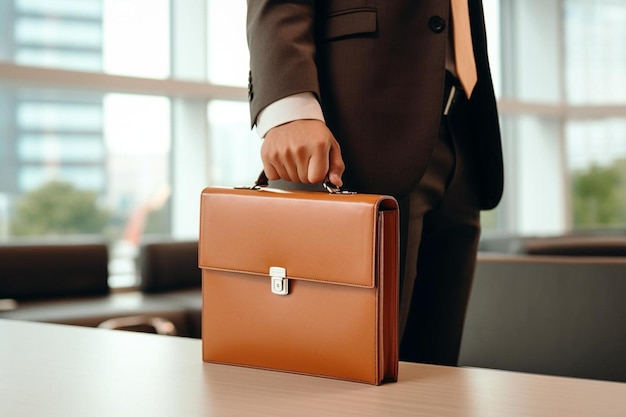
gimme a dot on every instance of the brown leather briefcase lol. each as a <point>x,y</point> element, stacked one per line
<point>299,281</point>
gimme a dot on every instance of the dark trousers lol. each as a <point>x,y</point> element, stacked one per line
<point>439,229</point>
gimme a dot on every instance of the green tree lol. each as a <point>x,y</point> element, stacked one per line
<point>598,196</point>
<point>58,208</point>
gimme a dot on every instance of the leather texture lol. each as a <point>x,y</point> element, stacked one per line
<point>340,254</point>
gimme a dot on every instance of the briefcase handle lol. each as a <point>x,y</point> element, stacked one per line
<point>263,181</point>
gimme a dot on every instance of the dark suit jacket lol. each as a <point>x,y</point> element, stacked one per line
<point>378,68</point>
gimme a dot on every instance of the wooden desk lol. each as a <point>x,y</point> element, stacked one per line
<point>66,371</point>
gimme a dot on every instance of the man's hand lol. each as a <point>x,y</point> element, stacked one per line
<point>302,151</point>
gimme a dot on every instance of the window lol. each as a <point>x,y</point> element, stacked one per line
<point>234,159</point>
<point>562,72</point>
<point>139,105</point>
<point>596,143</point>
<point>134,106</point>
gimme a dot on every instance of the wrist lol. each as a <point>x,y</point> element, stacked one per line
<point>301,106</point>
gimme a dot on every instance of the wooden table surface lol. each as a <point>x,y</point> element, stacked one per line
<point>54,370</point>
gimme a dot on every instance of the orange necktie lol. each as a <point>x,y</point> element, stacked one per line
<point>463,50</point>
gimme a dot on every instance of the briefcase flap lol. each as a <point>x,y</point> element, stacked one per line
<point>311,236</point>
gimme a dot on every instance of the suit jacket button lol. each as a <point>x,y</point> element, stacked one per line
<point>437,24</point>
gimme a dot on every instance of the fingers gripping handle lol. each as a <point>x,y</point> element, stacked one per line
<point>262,181</point>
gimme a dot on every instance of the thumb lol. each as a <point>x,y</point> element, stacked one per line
<point>336,165</point>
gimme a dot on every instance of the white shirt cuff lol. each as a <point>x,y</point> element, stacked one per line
<point>295,107</point>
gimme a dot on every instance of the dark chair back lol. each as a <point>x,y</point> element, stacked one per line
<point>53,270</point>
<point>166,266</point>
<point>578,246</point>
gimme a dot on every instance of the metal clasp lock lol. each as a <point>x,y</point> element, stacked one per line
<point>279,280</point>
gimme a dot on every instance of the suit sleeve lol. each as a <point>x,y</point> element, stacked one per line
<point>282,51</point>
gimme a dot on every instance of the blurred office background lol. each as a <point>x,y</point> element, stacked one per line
<point>114,114</point>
